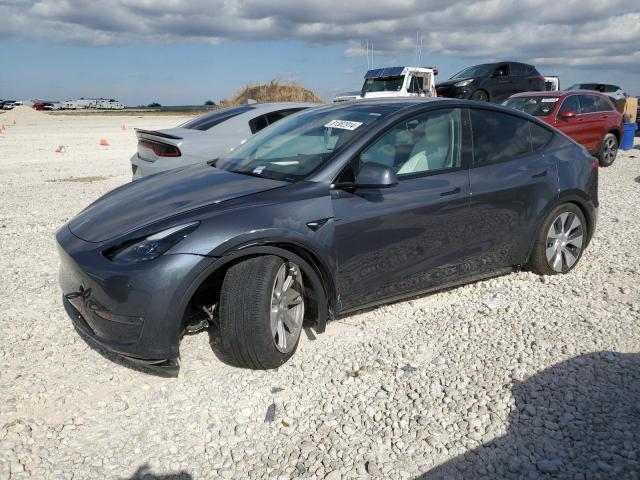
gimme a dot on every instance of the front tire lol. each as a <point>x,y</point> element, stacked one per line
<point>261,312</point>
<point>560,242</point>
<point>608,150</point>
<point>479,96</point>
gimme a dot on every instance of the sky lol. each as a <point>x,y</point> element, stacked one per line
<point>184,52</point>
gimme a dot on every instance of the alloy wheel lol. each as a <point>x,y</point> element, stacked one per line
<point>610,150</point>
<point>564,241</point>
<point>287,307</point>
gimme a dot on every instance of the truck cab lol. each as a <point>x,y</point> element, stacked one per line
<point>395,82</point>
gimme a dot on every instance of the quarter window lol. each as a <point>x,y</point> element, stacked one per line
<point>423,144</point>
<point>498,136</point>
<point>540,136</point>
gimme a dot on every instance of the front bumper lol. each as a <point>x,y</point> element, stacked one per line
<point>451,91</point>
<point>135,311</point>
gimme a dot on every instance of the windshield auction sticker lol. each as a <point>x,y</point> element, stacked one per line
<point>549,100</point>
<point>343,124</point>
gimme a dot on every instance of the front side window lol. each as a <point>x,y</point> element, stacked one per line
<point>387,84</point>
<point>502,70</point>
<point>540,136</point>
<point>427,143</point>
<point>498,137</point>
<point>571,104</point>
<point>297,145</point>
<point>416,85</point>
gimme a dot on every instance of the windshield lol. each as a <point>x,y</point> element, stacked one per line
<point>297,145</point>
<point>386,84</point>
<point>475,71</point>
<point>536,106</point>
<point>583,86</point>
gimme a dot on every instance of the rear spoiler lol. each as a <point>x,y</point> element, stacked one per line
<point>140,131</point>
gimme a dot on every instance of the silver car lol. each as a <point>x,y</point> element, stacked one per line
<point>205,137</point>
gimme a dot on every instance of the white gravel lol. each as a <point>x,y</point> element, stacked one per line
<point>514,377</point>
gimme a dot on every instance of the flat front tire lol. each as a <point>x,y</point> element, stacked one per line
<point>261,312</point>
<point>560,242</point>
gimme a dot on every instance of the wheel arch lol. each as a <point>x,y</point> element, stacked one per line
<point>569,197</point>
<point>616,132</point>
<point>320,279</point>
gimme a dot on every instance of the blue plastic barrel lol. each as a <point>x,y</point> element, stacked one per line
<point>628,135</point>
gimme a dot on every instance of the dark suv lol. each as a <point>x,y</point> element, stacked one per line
<point>492,82</point>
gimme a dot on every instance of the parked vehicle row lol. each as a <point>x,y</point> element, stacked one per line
<point>330,210</point>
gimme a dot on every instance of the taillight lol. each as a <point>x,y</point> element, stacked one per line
<point>161,149</point>
<point>595,164</point>
<point>542,78</point>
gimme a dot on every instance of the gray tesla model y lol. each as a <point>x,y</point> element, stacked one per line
<point>330,210</point>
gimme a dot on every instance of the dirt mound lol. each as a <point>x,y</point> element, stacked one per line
<point>22,114</point>
<point>274,91</point>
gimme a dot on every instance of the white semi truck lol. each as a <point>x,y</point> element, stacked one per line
<point>395,82</point>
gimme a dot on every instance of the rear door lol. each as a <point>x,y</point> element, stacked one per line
<point>511,185</point>
<point>591,123</point>
<point>395,241</point>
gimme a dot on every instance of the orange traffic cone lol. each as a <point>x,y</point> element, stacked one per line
<point>104,143</point>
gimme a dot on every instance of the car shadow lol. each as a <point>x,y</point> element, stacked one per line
<point>144,473</point>
<point>579,419</point>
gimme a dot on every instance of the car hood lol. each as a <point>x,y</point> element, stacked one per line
<point>448,83</point>
<point>157,197</point>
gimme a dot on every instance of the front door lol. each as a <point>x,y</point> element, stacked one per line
<point>400,240</point>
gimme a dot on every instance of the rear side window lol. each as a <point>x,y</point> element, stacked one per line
<point>540,136</point>
<point>610,88</point>
<point>588,104</point>
<point>210,120</point>
<point>263,121</point>
<point>498,136</point>
<point>602,105</point>
<point>517,69</point>
<point>571,104</point>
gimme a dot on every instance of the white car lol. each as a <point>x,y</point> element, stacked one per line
<point>206,137</point>
<point>612,91</point>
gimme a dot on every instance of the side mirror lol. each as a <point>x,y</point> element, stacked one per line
<point>372,175</point>
<point>567,114</point>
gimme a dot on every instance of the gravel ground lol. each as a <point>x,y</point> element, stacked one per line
<point>514,377</point>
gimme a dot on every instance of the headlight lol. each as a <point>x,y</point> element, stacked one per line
<point>463,83</point>
<point>141,250</point>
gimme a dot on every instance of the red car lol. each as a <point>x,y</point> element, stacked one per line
<point>588,117</point>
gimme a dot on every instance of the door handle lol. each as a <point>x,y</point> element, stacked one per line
<point>539,175</point>
<point>451,192</point>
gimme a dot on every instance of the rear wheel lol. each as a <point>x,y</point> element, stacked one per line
<point>560,241</point>
<point>261,312</point>
<point>480,96</point>
<point>608,150</point>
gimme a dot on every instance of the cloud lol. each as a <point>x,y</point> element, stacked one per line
<point>577,33</point>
